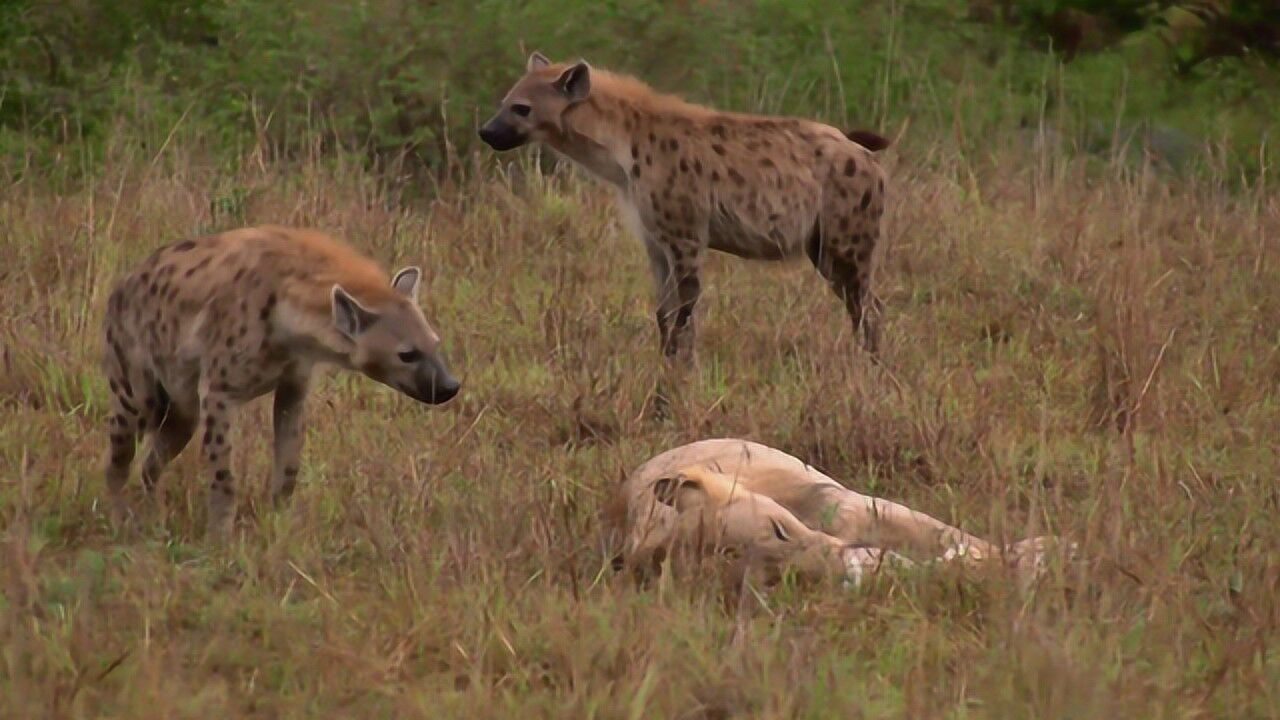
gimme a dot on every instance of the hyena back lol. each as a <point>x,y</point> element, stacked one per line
<point>204,325</point>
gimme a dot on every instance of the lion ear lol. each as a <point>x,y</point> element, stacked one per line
<point>680,492</point>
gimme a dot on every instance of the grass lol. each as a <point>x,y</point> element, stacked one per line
<point>1072,345</point>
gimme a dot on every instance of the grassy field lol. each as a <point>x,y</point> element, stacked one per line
<point>1074,344</point>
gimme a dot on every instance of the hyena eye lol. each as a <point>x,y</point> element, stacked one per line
<point>409,357</point>
<point>520,109</point>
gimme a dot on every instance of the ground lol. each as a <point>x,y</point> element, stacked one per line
<point>1070,346</point>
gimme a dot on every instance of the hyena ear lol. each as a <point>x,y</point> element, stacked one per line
<point>406,282</point>
<point>575,82</point>
<point>349,316</point>
<point>537,61</point>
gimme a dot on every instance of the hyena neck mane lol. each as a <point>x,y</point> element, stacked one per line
<point>599,132</point>
<point>314,264</point>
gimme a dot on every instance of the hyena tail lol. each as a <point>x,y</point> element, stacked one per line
<point>869,140</point>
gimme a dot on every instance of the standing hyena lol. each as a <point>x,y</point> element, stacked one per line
<point>203,325</point>
<point>691,178</point>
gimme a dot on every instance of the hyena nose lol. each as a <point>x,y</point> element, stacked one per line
<point>445,389</point>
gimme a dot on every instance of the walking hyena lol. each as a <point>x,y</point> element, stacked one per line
<point>203,325</point>
<point>691,178</point>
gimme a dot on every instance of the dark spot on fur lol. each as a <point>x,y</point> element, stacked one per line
<point>183,246</point>
<point>196,268</point>
<point>718,130</point>
<point>635,170</point>
<point>239,275</point>
<point>766,162</point>
<point>635,152</point>
<point>124,405</point>
<point>222,475</point>
<point>684,165</point>
<point>715,176</point>
<point>268,307</point>
<point>850,168</point>
<point>697,167</point>
<point>736,176</point>
<point>718,148</point>
<point>866,200</point>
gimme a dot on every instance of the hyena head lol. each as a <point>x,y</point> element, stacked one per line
<point>771,539</point>
<point>395,345</point>
<point>536,105</point>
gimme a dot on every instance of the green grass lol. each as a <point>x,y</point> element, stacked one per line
<point>1071,347</point>
<point>1076,342</point>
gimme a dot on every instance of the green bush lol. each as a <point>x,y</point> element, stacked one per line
<point>406,83</point>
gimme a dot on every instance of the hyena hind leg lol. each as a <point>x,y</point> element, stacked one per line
<point>173,432</point>
<point>126,424</point>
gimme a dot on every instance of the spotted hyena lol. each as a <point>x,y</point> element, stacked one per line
<point>690,178</point>
<point>204,325</point>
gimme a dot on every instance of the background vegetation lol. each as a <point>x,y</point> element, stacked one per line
<point>1082,338</point>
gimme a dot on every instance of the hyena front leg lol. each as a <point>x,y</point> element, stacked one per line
<point>287,421</point>
<point>845,263</point>
<point>215,410</point>
<point>678,291</point>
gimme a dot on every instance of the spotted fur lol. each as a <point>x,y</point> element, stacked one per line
<point>690,178</point>
<point>202,326</point>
